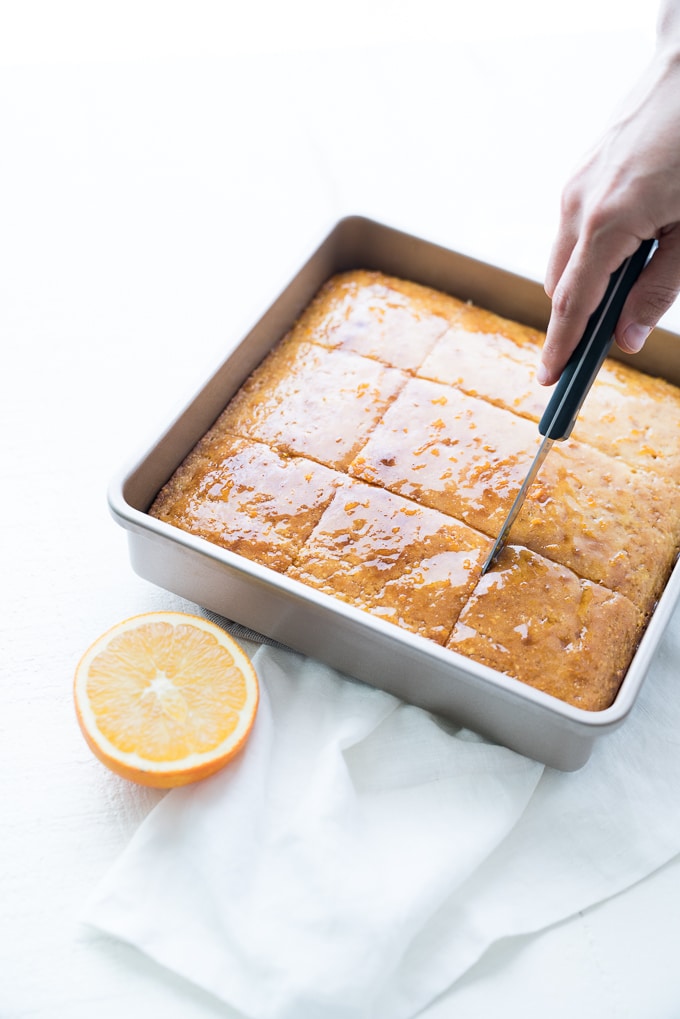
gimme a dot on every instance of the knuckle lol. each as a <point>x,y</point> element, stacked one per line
<point>600,217</point>
<point>562,303</point>
<point>570,201</point>
<point>607,214</point>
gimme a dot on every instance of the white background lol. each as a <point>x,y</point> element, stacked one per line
<point>164,168</point>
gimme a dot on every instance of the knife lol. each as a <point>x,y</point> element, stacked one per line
<point>577,378</point>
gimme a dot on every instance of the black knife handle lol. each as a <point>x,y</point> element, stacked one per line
<point>584,364</point>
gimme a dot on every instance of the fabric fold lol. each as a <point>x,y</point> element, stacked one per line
<point>293,882</point>
<point>360,855</point>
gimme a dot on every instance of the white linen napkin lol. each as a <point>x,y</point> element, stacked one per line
<point>360,854</point>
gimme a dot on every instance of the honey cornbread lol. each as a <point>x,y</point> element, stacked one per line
<point>375,452</point>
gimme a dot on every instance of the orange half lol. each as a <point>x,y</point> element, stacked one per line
<point>165,698</point>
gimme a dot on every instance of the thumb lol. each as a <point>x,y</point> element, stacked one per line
<point>653,294</point>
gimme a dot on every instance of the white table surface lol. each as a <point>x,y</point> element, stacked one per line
<point>165,168</point>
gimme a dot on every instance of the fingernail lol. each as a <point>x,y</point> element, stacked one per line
<point>542,374</point>
<point>634,337</point>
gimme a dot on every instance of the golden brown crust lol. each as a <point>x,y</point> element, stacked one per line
<point>376,451</point>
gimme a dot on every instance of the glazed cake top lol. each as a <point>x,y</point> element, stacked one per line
<point>374,455</point>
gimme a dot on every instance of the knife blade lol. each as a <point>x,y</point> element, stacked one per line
<point>578,376</point>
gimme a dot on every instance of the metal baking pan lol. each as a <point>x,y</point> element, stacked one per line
<point>355,642</point>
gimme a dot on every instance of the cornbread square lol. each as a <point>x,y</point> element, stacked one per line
<point>391,320</point>
<point>634,417</point>
<point>405,563</point>
<point>538,622</point>
<point>450,451</point>
<point>248,498</point>
<point>313,402</point>
<point>586,510</point>
<point>491,365</point>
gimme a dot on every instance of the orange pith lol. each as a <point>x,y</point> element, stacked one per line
<point>165,698</point>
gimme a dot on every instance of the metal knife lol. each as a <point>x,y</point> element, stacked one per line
<point>577,378</point>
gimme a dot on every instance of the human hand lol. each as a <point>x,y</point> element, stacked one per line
<point>628,190</point>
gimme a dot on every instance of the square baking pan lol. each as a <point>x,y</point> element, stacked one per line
<point>355,642</point>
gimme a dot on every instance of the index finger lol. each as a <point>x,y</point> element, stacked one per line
<point>575,296</point>
<point>560,254</point>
